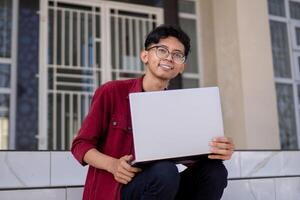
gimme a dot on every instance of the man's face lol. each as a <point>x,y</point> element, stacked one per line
<point>163,59</point>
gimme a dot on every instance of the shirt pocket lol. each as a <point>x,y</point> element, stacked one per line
<point>120,123</point>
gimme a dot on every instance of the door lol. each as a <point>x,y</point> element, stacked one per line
<point>82,45</point>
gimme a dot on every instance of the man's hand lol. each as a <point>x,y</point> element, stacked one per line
<point>122,171</point>
<point>221,148</point>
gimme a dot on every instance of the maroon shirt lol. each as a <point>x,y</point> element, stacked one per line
<point>107,128</point>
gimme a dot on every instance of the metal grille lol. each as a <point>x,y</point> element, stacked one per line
<point>129,31</point>
<point>74,68</point>
<point>7,73</point>
<point>78,35</point>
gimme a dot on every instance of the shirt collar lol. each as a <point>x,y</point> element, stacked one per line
<point>137,86</point>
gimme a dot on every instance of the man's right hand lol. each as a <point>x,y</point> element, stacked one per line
<point>122,171</point>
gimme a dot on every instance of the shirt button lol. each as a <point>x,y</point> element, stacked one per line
<point>114,123</point>
<point>129,128</point>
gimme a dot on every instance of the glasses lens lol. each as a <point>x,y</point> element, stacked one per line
<point>178,58</point>
<point>162,52</point>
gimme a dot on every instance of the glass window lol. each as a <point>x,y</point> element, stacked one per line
<point>188,21</point>
<point>295,9</point>
<point>79,62</point>
<point>298,65</point>
<point>187,6</point>
<point>286,113</point>
<point>189,25</point>
<point>4,75</point>
<point>4,120</point>
<point>285,82</point>
<point>5,28</point>
<point>280,49</point>
<point>190,83</point>
<point>297,30</point>
<point>276,7</point>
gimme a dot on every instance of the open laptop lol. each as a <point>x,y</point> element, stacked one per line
<point>174,124</point>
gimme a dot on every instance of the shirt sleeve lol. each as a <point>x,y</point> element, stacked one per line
<point>94,125</point>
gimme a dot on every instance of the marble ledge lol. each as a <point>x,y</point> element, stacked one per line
<point>24,169</point>
<point>58,168</point>
<point>272,163</point>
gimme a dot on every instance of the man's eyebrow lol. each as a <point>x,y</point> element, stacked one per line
<point>161,45</point>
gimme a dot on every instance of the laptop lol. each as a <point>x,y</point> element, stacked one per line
<point>174,124</point>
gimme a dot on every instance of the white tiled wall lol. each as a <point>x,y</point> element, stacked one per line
<point>290,163</point>
<point>255,164</point>
<point>234,166</point>
<point>42,194</point>
<point>74,193</point>
<point>263,189</point>
<point>255,189</point>
<point>26,170</point>
<point>65,170</point>
<point>287,188</point>
<point>264,163</point>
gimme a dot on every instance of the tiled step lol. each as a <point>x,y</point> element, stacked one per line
<point>56,175</point>
<point>283,188</point>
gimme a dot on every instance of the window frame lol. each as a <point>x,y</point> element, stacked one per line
<point>294,81</point>
<point>194,16</point>
<point>12,90</point>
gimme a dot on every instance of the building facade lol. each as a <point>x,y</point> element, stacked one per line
<point>55,53</point>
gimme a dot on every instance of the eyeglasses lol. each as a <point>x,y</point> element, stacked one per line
<point>163,53</point>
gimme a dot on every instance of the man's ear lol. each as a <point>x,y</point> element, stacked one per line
<point>144,56</point>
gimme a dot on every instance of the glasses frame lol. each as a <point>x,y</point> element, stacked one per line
<point>172,53</point>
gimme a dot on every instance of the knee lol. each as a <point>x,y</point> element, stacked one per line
<point>215,172</point>
<point>165,173</point>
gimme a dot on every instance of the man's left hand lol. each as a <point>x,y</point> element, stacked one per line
<point>221,148</point>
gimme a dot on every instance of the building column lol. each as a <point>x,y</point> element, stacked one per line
<point>242,63</point>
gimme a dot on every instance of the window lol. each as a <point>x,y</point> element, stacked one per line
<point>284,16</point>
<point>88,44</point>
<point>7,65</point>
<point>188,20</point>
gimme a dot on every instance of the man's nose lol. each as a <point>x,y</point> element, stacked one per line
<point>169,57</point>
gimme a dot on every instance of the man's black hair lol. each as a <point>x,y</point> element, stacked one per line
<point>164,31</point>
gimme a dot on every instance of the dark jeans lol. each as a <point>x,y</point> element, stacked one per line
<point>205,180</point>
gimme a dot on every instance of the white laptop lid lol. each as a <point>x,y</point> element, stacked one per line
<point>175,123</point>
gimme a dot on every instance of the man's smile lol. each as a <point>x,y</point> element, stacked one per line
<point>166,66</point>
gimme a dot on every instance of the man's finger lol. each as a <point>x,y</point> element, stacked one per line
<point>223,152</point>
<point>129,168</point>
<point>123,176</point>
<point>126,172</point>
<point>222,145</point>
<point>223,139</point>
<point>219,157</point>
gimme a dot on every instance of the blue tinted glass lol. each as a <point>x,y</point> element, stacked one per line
<point>5,75</point>
<point>295,9</point>
<point>276,7</point>
<point>286,114</point>
<point>5,28</point>
<point>280,49</point>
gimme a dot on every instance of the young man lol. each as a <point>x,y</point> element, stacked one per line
<point>105,141</point>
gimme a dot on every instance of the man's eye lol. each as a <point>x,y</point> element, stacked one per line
<point>162,51</point>
<point>178,55</point>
